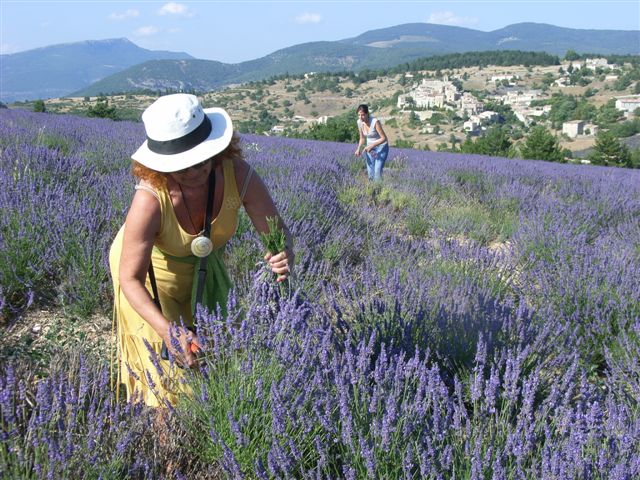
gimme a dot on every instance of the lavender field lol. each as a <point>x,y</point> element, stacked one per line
<point>468,318</point>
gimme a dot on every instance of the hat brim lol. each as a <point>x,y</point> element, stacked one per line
<point>217,141</point>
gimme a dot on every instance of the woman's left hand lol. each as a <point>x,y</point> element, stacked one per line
<point>280,264</point>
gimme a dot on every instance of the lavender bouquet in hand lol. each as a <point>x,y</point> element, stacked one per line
<point>275,241</point>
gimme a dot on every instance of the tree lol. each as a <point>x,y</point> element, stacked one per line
<point>102,109</point>
<point>336,129</point>
<point>494,142</point>
<point>414,120</point>
<point>609,151</point>
<point>38,106</point>
<point>608,113</point>
<point>542,145</point>
<point>562,109</point>
<point>571,55</point>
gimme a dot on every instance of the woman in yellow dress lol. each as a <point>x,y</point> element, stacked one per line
<point>185,145</point>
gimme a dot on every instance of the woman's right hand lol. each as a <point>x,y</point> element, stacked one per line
<point>357,153</point>
<point>189,345</point>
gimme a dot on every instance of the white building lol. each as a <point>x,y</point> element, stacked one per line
<point>471,125</point>
<point>469,104</point>
<point>475,122</point>
<point>520,98</point>
<point>591,129</point>
<point>510,78</point>
<point>488,116</point>
<point>424,114</point>
<point>573,128</point>
<point>429,94</point>
<point>594,63</point>
<point>628,104</point>
<point>574,65</point>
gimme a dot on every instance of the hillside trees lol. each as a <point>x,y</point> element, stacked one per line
<point>505,112</point>
<point>480,59</point>
<point>542,145</point>
<point>264,123</point>
<point>609,151</point>
<point>626,129</point>
<point>102,109</point>
<point>608,114</point>
<point>495,142</point>
<point>571,55</point>
<point>562,109</point>
<point>38,106</point>
<point>337,129</point>
<point>414,120</point>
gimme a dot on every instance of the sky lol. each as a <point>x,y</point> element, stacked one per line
<point>240,30</point>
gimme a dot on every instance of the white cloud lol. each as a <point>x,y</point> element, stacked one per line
<point>450,18</point>
<point>131,13</point>
<point>308,18</point>
<point>146,31</point>
<point>173,8</point>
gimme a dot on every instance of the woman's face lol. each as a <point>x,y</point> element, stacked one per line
<point>363,116</point>
<point>194,176</point>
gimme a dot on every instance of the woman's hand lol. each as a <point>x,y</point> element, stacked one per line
<point>280,264</point>
<point>189,345</point>
<point>357,152</point>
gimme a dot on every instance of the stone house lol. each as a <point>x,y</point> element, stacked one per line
<point>628,104</point>
<point>573,128</point>
<point>429,94</point>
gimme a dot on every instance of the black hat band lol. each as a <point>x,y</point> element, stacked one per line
<point>182,144</point>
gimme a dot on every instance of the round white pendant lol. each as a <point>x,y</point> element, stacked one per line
<point>201,246</point>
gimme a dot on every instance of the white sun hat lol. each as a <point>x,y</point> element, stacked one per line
<point>180,133</point>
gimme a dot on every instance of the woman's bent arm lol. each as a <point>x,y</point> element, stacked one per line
<point>141,227</point>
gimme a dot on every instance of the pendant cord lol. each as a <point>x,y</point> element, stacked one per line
<point>186,205</point>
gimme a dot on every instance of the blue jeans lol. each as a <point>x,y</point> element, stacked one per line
<point>375,161</point>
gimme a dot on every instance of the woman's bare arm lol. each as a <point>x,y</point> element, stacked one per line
<point>141,227</point>
<point>360,141</point>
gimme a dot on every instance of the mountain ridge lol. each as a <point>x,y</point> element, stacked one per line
<point>60,69</point>
<point>373,49</point>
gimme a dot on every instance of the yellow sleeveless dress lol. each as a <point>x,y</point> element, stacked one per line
<point>173,265</point>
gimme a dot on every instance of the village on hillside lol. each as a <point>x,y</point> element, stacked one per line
<point>433,110</point>
<point>525,98</point>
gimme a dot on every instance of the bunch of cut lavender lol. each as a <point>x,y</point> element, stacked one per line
<point>275,241</point>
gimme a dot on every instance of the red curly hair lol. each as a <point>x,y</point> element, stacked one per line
<point>159,179</point>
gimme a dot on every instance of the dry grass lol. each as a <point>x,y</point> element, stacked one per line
<point>41,334</point>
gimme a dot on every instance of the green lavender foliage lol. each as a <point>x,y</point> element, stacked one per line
<point>275,240</point>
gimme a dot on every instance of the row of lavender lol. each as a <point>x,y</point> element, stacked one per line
<point>471,317</point>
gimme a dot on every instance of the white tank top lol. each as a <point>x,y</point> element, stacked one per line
<point>373,134</point>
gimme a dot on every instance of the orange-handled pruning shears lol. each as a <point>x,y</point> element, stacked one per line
<point>194,347</point>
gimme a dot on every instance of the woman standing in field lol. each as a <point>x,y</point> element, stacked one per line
<point>190,170</point>
<point>377,148</point>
